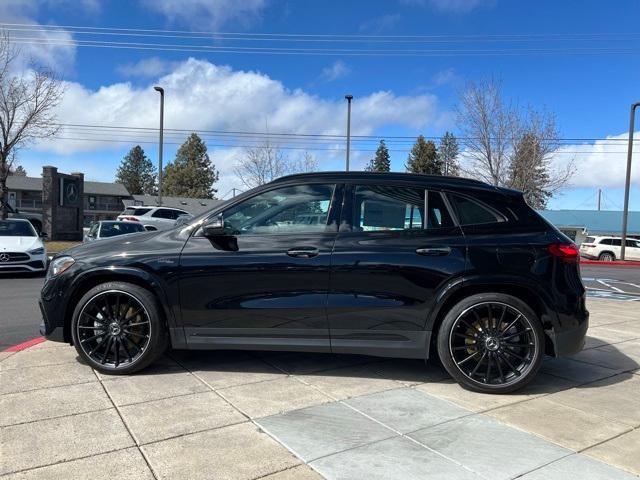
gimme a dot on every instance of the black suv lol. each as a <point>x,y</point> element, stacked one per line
<point>393,265</point>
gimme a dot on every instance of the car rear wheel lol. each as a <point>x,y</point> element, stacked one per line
<point>491,343</point>
<point>606,257</point>
<point>117,328</point>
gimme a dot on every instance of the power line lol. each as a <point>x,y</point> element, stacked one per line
<point>323,51</point>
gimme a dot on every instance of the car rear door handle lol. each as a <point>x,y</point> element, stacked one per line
<point>434,251</point>
<point>303,252</point>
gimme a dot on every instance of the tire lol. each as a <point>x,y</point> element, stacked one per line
<point>491,343</point>
<point>606,257</point>
<point>126,315</point>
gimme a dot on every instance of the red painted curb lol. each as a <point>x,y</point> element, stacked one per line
<point>24,345</point>
<point>615,263</point>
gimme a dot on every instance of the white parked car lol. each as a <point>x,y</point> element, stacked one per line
<point>152,218</point>
<point>21,248</point>
<point>608,249</point>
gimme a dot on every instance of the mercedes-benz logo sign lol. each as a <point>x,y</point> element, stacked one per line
<point>4,257</point>
<point>72,192</point>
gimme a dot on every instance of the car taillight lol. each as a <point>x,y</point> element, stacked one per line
<point>130,219</point>
<point>567,252</point>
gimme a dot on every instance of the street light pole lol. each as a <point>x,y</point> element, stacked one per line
<point>349,98</point>
<point>161,90</point>
<point>627,184</point>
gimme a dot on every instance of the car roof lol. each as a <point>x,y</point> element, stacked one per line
<point>154,206</point>
<point>16,220</point>
<point>435,180</point>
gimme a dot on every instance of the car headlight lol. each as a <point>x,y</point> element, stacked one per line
<point>59,266</point>
<point>37,251</point>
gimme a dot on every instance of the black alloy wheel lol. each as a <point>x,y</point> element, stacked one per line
<point>115,329</point>
<point>492,344</point>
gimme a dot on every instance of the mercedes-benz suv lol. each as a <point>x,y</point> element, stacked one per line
<point>392,265</point>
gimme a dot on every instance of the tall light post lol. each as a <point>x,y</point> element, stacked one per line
<point>627,184</point>
<point>349,98</point>
<point>161,90</point>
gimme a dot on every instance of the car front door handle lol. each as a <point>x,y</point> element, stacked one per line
<point>434,251</point>
<point>303,252</point>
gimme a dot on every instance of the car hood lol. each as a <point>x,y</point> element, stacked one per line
<point>127,245</point>
<point>19,244</point>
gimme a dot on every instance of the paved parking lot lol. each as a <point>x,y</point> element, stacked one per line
<point>301,416</point>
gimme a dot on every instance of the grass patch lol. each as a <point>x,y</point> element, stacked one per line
<point>56,247</point>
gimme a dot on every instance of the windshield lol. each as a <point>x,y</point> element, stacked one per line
<point>120,228</point>
<point>12,228</point>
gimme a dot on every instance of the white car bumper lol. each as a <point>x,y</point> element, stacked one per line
<point>15,262</point>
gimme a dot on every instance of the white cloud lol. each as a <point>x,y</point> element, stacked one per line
<point>147,67</point>
<point>445,77</point>
<point>380,24</point>
<point>602,163</point>
<point>58,57</point>
<point>336,70</point>
<point>207,14</point>
<point>204,96</point>
<point>450,6</point>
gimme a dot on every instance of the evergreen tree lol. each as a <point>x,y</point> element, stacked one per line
<point>137,173</point>
<point>19,171</point>
<point>381,162</point>
<point>423,158</point>
<point>191,174</point>
<point>528,171</point>
<point>448,155</point>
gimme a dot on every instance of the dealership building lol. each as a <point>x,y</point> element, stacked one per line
<point>105,201</point>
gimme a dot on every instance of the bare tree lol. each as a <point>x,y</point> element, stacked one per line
<point>264,163</point>
<point>27,103</point>
<point>507,146</point>
<point>487,123</point>
<point>530,168</point>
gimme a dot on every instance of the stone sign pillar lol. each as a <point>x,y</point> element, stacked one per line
<point>62,204</point>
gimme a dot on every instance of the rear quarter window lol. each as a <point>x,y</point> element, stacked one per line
<point>472,212</point>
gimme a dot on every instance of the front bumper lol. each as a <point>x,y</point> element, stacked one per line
<point>53,303</point>
<point>34,264</point>
<point>571,341</point>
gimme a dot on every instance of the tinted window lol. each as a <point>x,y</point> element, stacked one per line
<point>298,209</point>
<point>605,241</point>
<point>120,228</point>
<point>589,240</point>
<point>388,207</point>
<point>471,212</point>
<point>10,228</point>
<point>632,243</point>
<point>135,211</point>
<point>616,242</point>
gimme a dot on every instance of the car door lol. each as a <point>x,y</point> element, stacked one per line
<point>632,249</point>
<point>162,218</point>
<point>387,267</point>
<point>265,282</point>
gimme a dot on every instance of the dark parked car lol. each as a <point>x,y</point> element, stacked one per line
<point>393,265</point>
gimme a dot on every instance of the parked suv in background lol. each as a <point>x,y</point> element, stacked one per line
<point>392,265</point>
<point>34,218</point>
<point>152,218</point>
<point>607,249</point>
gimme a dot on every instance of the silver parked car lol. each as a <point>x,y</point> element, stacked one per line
<point>109,228</point>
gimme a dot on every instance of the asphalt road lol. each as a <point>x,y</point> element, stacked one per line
<point>20,315</point>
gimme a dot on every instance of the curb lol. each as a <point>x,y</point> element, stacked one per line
<point>24,345</point>
<point>615,263</point>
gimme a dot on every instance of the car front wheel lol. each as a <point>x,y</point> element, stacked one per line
<point>117,328</point>
<point>491,343</point>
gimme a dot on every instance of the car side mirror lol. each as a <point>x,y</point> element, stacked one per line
<point>214,227</point>
<point>43,235</point>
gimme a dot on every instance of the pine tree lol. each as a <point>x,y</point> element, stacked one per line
<point>191,174</point>
<point>137,173</point>
<point>423,158</point>
<point>448,155</point>
<point>19,171</point>
<point>528,171</point>
<point>381,162</point>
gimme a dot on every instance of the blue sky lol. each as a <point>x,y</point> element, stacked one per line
<point>590,93</point>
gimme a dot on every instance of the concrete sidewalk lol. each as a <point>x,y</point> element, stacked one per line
<point>301,416</point>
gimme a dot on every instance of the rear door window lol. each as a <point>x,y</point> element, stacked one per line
<point>471,212</point>
<point>390,207</point>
